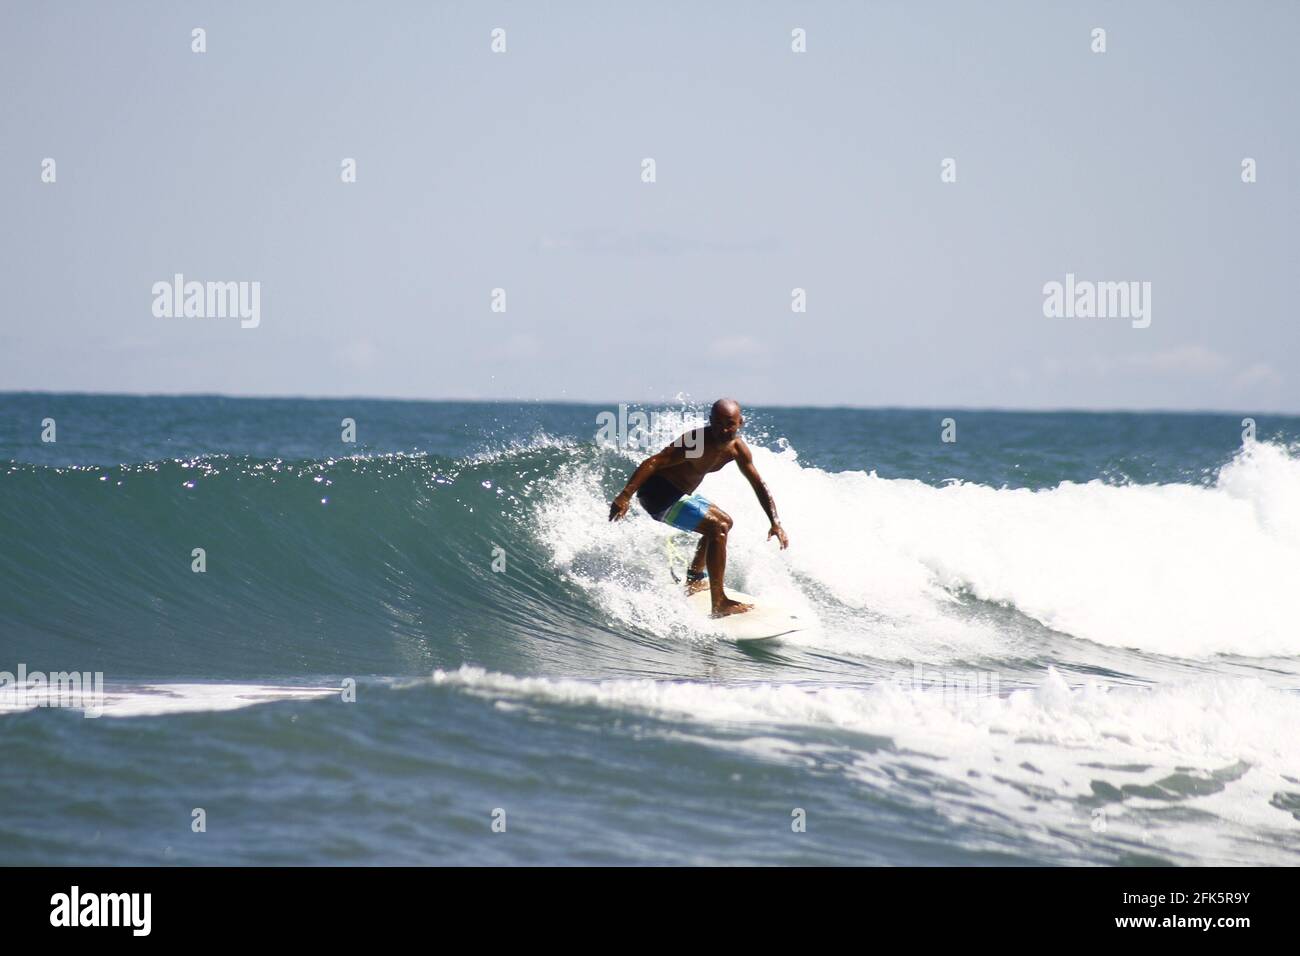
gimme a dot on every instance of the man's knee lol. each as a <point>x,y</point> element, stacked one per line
<point>716,523</point>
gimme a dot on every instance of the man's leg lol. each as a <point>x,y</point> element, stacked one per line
<point>714,528</point>
<point>695,577</point>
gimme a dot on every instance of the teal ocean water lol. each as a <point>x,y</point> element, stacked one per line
<point>1062,638</point>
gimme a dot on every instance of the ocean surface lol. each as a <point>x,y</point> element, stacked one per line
<point>1063,638</point>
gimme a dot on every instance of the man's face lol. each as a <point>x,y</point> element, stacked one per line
<point>727,425</point>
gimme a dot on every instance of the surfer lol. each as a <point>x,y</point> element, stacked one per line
<point>665,484</point>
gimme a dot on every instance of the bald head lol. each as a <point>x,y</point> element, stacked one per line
<point>725,418</point>
<point>724,407</point>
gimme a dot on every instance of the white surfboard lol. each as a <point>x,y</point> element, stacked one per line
<point>766,621</point>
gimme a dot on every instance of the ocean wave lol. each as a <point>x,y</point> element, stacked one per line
<point>397,564</point>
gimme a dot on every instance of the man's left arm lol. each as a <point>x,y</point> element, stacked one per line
<point>745,462</point>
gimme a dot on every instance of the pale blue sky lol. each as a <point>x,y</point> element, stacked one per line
<point>775,170</point>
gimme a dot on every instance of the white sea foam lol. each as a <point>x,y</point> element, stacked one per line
<point>1182,570</point>
<point>150,700</point>
<point>1038,755</point>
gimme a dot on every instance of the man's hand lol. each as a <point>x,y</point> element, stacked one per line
<point>619,508</point>
<point>777,530</point>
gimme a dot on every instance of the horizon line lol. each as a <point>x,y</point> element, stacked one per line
<point>828,406</point>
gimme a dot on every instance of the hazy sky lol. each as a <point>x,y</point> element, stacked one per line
<point>775,170</point>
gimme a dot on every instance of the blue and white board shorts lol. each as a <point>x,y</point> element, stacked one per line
<point>686,512</point>
<point>665,502</point>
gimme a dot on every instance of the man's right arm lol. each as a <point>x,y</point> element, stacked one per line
<point>672,455</point>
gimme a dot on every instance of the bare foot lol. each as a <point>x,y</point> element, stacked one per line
<point>729,607</point>
<point>695,587</point>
